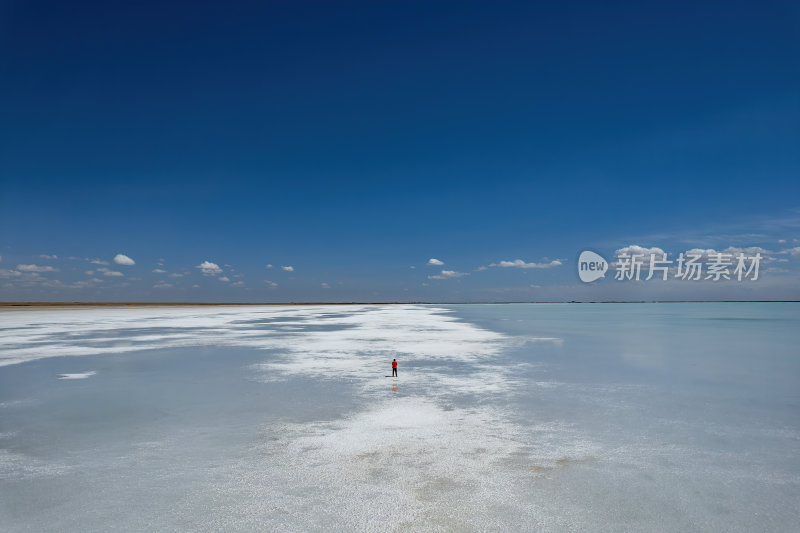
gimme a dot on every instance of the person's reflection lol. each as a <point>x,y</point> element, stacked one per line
<point>394,388</point>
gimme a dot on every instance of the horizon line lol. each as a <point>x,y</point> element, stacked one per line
<point>182,304</point>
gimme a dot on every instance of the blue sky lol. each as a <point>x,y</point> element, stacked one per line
<point>355,140</point>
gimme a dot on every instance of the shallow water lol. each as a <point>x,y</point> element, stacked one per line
<point>557,417</point>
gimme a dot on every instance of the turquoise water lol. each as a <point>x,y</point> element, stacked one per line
<point>553,417</point>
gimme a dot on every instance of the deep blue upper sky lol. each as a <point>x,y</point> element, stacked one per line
<point>353,140</point>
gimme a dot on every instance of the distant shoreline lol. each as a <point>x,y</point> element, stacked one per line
<point>250,304</point>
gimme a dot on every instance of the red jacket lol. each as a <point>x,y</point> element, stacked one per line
<point>394,364</point>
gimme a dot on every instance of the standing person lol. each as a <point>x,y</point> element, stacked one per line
<point>394,367</point>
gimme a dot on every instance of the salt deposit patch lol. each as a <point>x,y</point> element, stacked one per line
<point>435,350</point>
<point>403,464</point>
<point>78,375</point>
<point>350,342</point>
<point>435,455</point>
<point>21,466</point>
<point>35,334</point>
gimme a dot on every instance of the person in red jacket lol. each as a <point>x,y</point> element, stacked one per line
<point>394,367</point>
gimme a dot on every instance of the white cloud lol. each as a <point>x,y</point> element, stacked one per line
<point>271,284</point>
<point>96,261</point>
<point>268,266</point>
<point>776,270</point>
<point>226,279</point>
<point>107,272</point>
<point>704,253</point>
<point>90,272</point>
<point>36,268</point>
<point>45,256</point>
<point>749,251</point>
<point>325,286</point>
<point>435,262</point>
<point>27,279</point>
<point>781,241</point>
<point>162,285</point>
<point>209,269</point>
<point>519,263</point>
<point>481,268</point>
<point>237,284</point>
<point>536,286</point>
<point>792,251</point>
<point>288,268</point>
<point>195,286</point>
<point>122,259</point>
<point>176,275</point>
<point>56,284</point>
<point>639,250</point>
<point>448,274</point>
<point>412,267</point>
<point>159,271</point>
